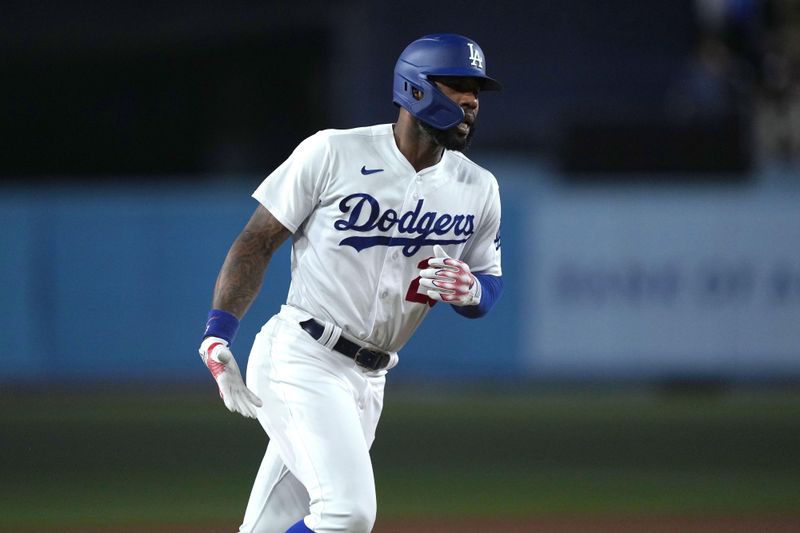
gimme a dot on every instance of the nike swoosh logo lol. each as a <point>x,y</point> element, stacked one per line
<point>367,171</point>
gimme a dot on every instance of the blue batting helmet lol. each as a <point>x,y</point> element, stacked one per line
<point>440,54</point>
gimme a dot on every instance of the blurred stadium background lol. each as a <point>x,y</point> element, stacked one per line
<point>640,373</point>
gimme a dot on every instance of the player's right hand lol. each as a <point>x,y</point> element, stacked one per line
<point>220,362</point>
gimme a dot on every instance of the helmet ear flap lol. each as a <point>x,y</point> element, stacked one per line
<point>420,97</point>
<point>412,91</point>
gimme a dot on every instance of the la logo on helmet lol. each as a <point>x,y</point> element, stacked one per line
<point>475,56</point>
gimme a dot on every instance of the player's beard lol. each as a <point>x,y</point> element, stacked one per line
<point>449,139</point>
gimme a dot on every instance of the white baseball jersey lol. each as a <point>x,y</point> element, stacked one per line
<point>363,221</point>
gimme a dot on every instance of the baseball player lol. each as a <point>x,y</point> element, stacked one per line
<point>386,221</point>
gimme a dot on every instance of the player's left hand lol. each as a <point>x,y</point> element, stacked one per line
<point>449,280</point>
<point>222,365</point>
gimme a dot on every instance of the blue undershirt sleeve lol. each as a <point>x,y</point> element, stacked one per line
<point>491,289</point>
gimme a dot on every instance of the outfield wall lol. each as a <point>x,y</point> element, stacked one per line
<point>112,283</point>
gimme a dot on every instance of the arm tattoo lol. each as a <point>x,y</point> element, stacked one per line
<point>243,271</point>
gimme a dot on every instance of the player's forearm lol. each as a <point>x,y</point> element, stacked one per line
<point>242,274</point>
<point>491,289</point>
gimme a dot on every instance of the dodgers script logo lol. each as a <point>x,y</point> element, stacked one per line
<point>365,215</point>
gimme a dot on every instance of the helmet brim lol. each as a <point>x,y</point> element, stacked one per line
<point>487,83</point>
<point>491,84</point>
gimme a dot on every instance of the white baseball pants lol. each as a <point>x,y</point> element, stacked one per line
<point>320,412</point>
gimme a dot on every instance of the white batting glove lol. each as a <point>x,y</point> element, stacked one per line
<point>220,362</point>
<point>449,280</point>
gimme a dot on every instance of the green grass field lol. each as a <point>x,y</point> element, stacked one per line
<point>126,458</point>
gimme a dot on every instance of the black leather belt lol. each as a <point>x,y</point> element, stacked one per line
<point>366,357</point>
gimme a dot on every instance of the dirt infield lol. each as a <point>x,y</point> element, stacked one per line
<point>708,524</point>
<point>606,525</point>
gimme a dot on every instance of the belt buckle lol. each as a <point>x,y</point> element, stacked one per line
<point>372,359</point>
